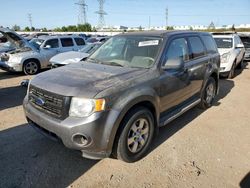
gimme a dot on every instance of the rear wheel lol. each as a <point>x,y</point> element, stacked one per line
<point>31,67</point>
<point>136,135</point>
<point>208,94</point>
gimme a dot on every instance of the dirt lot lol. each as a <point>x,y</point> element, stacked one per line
<point>200,149</point>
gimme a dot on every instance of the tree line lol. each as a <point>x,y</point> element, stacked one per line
<point>71,28</point>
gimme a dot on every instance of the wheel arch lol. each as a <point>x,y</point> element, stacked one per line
<point>31,59</point>
<point>148,102</point>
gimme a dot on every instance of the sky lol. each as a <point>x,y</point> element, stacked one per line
<point>132,13</point>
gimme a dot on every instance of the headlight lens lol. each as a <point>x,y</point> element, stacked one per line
<point>81,107</point>
<point>225,57</point>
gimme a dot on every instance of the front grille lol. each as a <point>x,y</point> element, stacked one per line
<point>48,102</point>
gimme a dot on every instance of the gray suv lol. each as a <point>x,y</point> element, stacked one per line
<point>114,102</point>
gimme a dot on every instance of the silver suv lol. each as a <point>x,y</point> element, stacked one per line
<point>35,55</point>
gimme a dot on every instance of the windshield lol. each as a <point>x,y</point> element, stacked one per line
<point>36,43</point>
<point>246,41</point>
<point>224,42</point>
<point>128,51</point>
<point>89,48</point>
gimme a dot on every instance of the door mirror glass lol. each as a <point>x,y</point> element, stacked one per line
<point>174,64</point>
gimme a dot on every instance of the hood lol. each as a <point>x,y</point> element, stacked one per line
<point>85,79</point>
<point>15,39</point>
<point>224,50</point>
<point>68,57</point>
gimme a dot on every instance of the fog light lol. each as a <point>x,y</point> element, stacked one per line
<point>80,139</point>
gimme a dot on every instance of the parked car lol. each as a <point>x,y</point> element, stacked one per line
<point>97,39</point>
<point>31,59</point>
<point>246,42</point>
<point>232,53</point>
<point>114,102</point>
<point>35,35</point>
<point>72,56</point>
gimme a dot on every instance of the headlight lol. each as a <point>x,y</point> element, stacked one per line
<point>81,107</point>
<point>225,57</point>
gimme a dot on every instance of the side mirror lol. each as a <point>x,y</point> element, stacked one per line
<point>239,46</point>
<point>174,64</point>
<point>47,47</point>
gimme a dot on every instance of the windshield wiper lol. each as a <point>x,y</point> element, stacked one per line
<point>111,63</point>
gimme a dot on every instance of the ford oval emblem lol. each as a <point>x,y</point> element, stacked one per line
<point>39,101</point>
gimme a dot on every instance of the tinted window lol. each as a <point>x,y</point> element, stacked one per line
<point>224,42</point>
<point>246,41</point>
<point>52,42</point>
<point>196,47</point>
<point>178,48</point>
<point>79,41</point>
<point>210,44</point>
<point>66,42</point>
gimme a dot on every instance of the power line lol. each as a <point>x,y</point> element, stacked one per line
<point>101,13</point>
<point>30,19</point>
<point>82,15</point>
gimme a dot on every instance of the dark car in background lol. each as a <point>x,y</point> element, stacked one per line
<point>245,38</point>
<point>114,102</point>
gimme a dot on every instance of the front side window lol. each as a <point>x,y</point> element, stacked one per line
<point>197,47</point>
<point>53,43</point>
<point>36,42</point>
<point>224,42</point>
<point>178,49</point>
<point>128,51</point>
<point>67,42</point>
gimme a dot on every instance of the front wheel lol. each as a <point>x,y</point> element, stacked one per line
<point>136,135</point>
<point>231,74</point>
<point>31,67</point>
<point>208,94</point>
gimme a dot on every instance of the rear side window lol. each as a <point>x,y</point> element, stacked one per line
<point>53,43</point>
<point>67,42</point>
<point>79,41</point>
<point>178,48</point>
<point>210,44</point>
<point>197,47</point>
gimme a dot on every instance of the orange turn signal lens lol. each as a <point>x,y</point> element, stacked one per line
<point>99,105</point>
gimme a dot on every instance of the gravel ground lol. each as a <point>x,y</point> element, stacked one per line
<point>200,149</point>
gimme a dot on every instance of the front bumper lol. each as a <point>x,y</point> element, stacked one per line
<point>96,128</point>
<point>9,67</point>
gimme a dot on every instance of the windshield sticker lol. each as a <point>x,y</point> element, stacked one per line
<point>149,43</point>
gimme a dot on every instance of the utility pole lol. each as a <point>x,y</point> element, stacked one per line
<point>101,13</point>
<point>82,15</point>
<point>166,17</point>
<point>30,19</point>
<point>149,23</point>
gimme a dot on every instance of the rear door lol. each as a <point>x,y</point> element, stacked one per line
<point>67,44</point>
<point>79,42</point>
<point>197,64</point>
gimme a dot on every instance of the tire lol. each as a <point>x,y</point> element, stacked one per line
<point>240,66</point>
<point>231,73</point>
<point>135,135</point>
<point>208,94</point>
<point>31,67</point>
